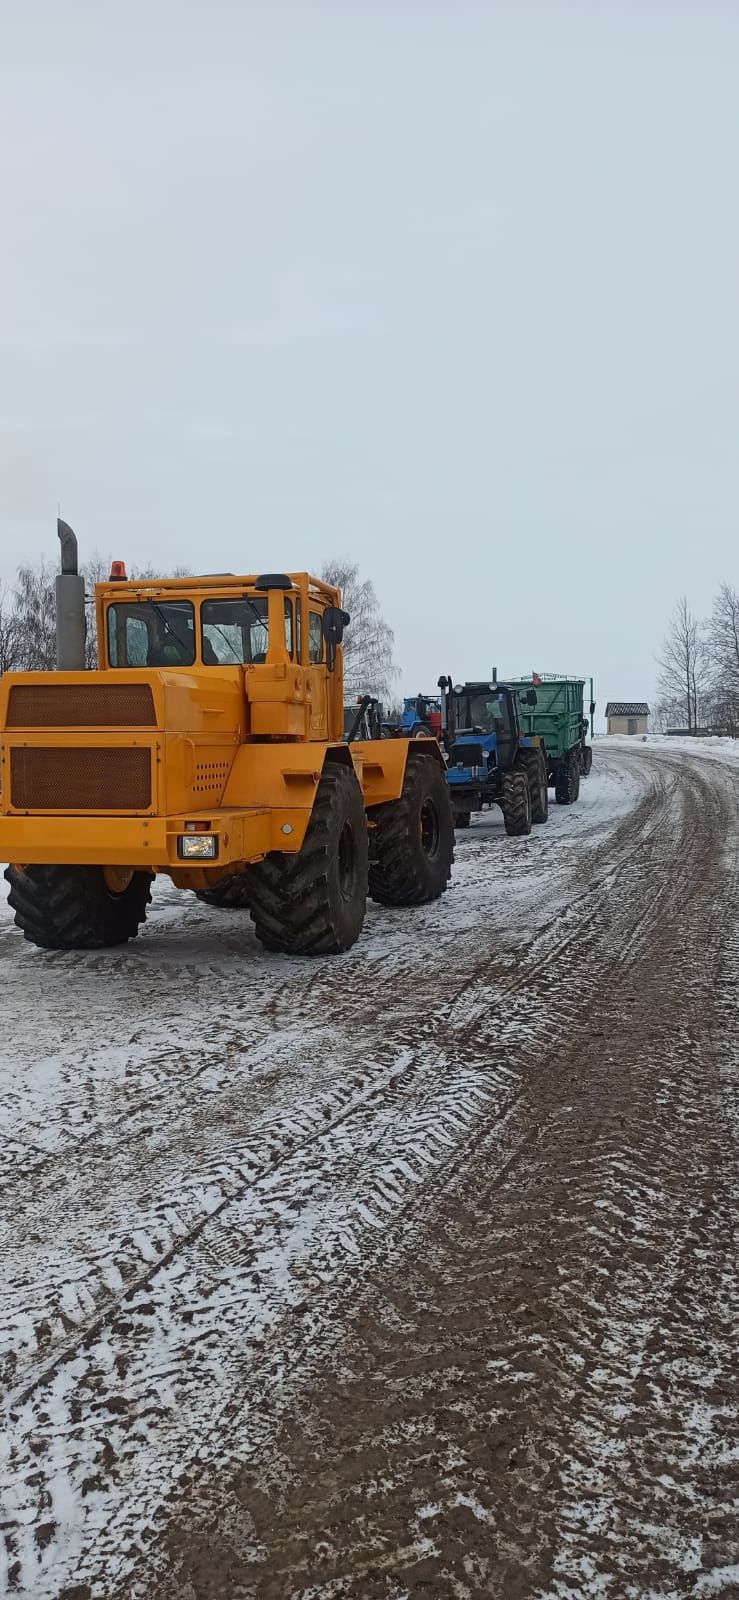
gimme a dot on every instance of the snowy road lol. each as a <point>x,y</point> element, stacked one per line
<point>404,1273</point>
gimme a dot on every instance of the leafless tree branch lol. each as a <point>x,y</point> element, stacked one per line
<point>368,642</point>
<point>683,664</point>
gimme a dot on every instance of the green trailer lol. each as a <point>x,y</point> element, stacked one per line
<point>560,719</point>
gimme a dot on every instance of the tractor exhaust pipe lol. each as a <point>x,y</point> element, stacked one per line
<point>70,605</point>
<point>446,696</point>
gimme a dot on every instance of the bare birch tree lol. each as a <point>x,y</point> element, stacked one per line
<point>666,714</point>
<point>94,571</point>
<point>722,645</point>
<point>368,642</point>
<point>682,663</point>
<point>8,634</point>
<point>35,619</point>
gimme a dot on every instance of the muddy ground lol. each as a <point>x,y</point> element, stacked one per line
<point>409,1273</point>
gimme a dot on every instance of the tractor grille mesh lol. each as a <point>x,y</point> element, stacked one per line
<point>81,705</point>
<point>80,779</point>
<point>466,755</point>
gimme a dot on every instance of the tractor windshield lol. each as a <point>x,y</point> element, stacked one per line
<point>151,633</point>
<point>483,712</point>
<point>235,632</point>
<point>161,633</point>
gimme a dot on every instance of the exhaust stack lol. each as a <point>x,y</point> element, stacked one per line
<point>70,605</point>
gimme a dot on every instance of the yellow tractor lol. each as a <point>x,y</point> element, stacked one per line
<point>208,745</point>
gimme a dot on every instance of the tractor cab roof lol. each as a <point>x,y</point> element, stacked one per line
<point>192,587</point>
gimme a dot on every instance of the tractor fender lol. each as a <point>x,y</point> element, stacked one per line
<point>380,765</point>
<point>282,779</point>
<point>426,749</point>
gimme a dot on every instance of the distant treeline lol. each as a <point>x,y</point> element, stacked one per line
<point>699,668</point>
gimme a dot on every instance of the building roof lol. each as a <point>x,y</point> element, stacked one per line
<point>627,708</point>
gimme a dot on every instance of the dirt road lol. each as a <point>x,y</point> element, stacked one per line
<point>410,1273</point>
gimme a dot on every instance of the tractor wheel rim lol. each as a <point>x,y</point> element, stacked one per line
<point>430,828</point>
<point>347,862</point>
<point>117,879</point>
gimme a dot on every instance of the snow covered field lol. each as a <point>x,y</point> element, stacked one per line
<point>209,1153</point>
<point>720,747</point>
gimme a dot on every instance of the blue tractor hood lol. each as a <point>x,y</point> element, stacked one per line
<point>471,757</point>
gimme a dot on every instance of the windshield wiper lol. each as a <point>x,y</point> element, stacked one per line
<point>237,659</point>
<point>261,621</point>
<point>166,625</point>
<point>250,603</point>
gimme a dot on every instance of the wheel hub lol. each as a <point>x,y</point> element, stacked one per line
<point>430,829</point>
<point>117,879</point>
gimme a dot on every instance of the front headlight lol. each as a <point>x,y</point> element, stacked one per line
<point>197,846</point>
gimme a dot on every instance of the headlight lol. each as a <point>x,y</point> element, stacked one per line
<point>197,846</point>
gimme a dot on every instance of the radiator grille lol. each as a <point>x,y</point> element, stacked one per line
<point>81,705</point>
<point>466,755</point>
<point>80,779</point>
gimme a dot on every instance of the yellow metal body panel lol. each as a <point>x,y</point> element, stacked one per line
<point>149,843</point>
<point>380,765</point>
<point>236,751</point>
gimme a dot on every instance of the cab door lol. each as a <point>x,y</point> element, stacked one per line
<point>506,731</point>
<point>316,675</point>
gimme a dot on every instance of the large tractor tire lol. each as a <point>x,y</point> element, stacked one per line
<point>516,804</point>
<point>313,903</point>
<point>533,764</point>
<point>228,894</point>
<point>586,760</point>
<point>78,908</point>
<point>567,784</point>
<point>413,838</point>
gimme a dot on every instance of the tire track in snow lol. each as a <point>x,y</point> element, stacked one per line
<point>71,1418</point>
<point>533,1390</point>
<point>88,1275</point>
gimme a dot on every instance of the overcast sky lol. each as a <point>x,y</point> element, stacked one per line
<point>449,288</point>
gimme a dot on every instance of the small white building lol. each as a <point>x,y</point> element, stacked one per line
<point>627,716</point>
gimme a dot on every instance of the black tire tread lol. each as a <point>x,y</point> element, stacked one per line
<point>289,898</point>
<point>69,908</point>
<point>516,804</point>
<point>397,877</point>
<point>567,779</point>
<point>533,764</point>
<point>228,894</point>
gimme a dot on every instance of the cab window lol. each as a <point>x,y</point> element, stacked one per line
<point>486,712</point>
<point>151,633</point>
<point>235,632</point>
<point>315,637</point>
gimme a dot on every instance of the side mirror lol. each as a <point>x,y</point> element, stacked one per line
<point>531,697</point>
<point>333,623</point>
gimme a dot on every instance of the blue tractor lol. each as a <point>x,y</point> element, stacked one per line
<point>491,761</point>
<point>421,717</point>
